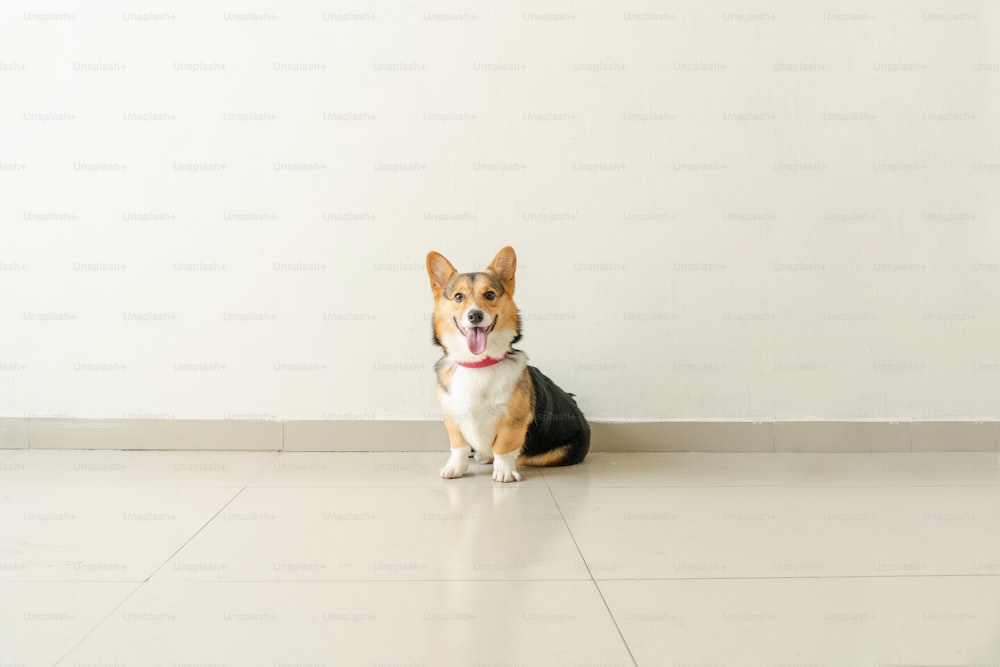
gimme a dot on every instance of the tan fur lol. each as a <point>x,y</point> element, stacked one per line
<point>444,374</point>
<point>550,458</point>
<point>455,437</point>
<point>513,425</point>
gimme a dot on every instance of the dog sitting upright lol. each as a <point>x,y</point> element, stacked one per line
<point>494,403</point>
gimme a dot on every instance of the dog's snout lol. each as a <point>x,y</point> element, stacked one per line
<point>474,317</point>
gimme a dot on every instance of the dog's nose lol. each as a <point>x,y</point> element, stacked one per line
<point>474,317</point>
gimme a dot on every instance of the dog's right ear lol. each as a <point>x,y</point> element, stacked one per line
<point>440,272</point>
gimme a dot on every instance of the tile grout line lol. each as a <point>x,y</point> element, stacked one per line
<point>168,559</point>
<point>597,586</point>
<point>87,634</point>
<point>229,582</point>
<point>212,518</point>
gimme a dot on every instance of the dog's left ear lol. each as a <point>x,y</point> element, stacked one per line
<point>503,266</point>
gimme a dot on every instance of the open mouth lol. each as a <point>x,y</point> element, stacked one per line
<point>476,337</point>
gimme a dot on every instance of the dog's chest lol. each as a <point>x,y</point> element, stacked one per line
<point>479,396</point>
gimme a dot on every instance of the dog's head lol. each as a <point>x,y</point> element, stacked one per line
<point>474,313</point>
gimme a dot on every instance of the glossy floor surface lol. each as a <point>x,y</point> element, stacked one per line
<point>242,559</point>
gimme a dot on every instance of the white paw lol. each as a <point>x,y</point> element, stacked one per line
<point>506,475</point>
<point>505,468</point>
<point>483,458</point>
<point>451,472</point>
<point>457,463</point>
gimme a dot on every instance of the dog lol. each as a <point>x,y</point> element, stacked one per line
<point>494,403</point>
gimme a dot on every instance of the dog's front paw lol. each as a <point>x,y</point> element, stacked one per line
<point>452,471</point>
<point>506,475</point>
<point>457,463</point>
<point>505,468</point>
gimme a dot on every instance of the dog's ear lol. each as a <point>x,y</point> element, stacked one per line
<point>440,272</point>
<point>503,266</point>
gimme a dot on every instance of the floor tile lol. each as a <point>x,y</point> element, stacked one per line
<point>769,531</point>
<point>128,468</point>
<point>318,558</point>
<point>10,455</point>
<point>456,531</point>
<point>40,622</point>
<point>98,533</point>
<point>354,623</point>
<point>781,469</point>
<point>829,622</point>
<point>378,469</point>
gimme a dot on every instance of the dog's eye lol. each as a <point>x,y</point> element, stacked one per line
<point>489,296</point>
<point>459,297</point>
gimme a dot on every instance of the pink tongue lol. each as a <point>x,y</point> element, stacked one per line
<point>476,340</point>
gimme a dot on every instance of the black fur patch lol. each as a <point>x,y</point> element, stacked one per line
<point>517,334</point>
<point>558,421</point>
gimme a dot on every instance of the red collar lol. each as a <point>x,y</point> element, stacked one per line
<point>482,363</point>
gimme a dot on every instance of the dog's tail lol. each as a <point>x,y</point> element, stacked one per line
<point>560,456</point>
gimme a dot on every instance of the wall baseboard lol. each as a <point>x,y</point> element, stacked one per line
<point>430,436</point>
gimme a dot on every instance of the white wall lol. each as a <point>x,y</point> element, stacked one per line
<point>788,213</point>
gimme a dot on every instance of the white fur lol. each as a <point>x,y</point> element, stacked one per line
<point>457,463</point>
<point>505,468</point>
<point>478,397</point>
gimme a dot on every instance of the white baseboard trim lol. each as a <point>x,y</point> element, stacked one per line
<point>423,436</point>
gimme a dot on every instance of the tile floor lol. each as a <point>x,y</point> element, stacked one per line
<point>198,559</point>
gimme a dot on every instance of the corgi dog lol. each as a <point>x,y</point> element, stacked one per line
<point>494,403</point>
